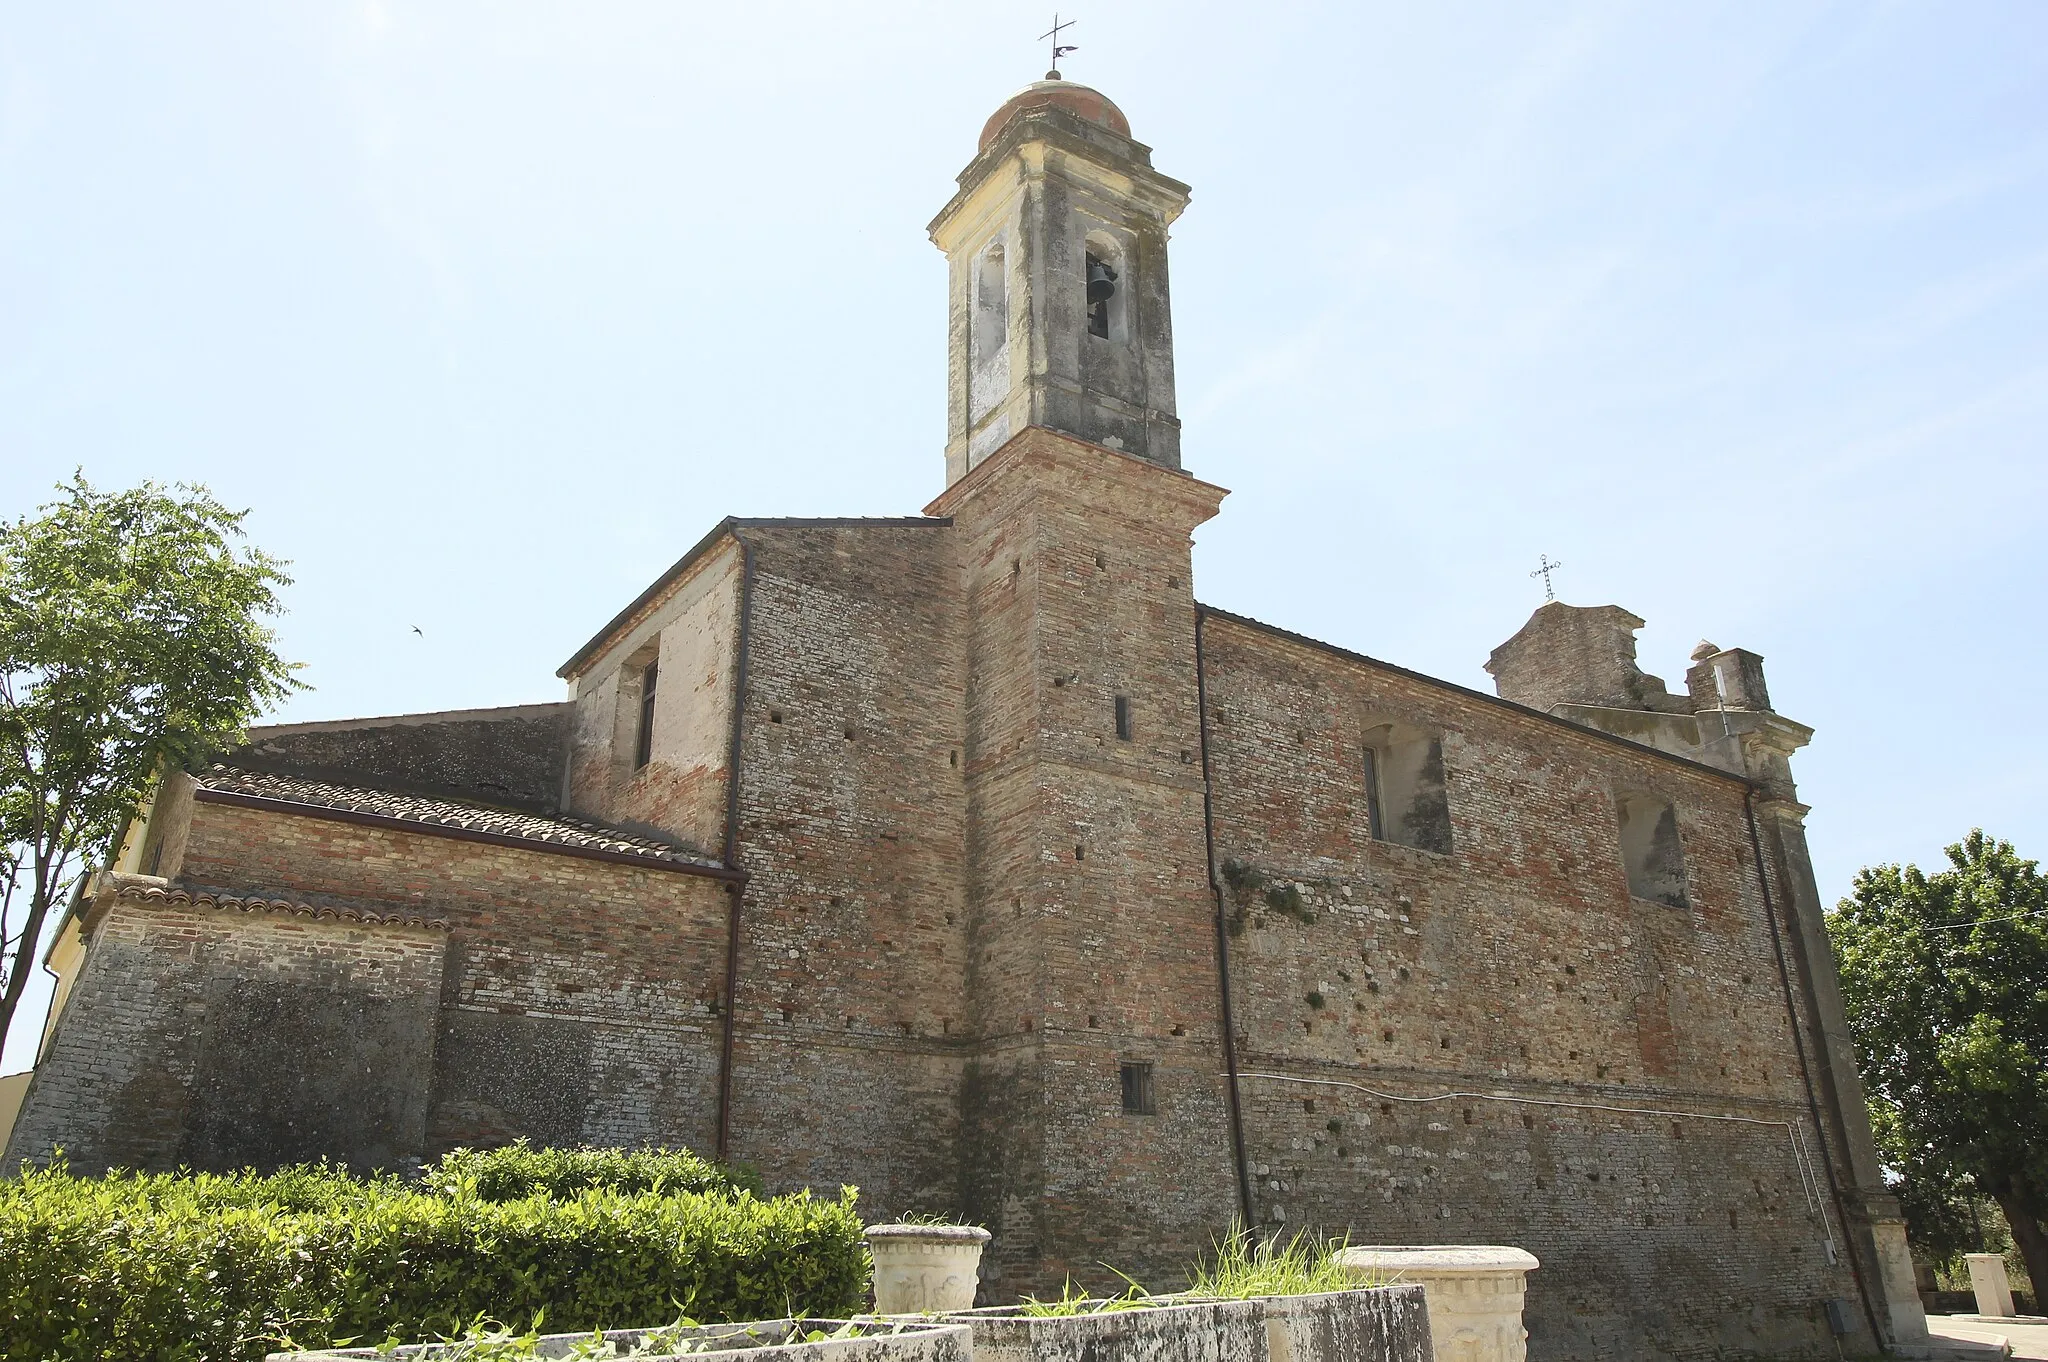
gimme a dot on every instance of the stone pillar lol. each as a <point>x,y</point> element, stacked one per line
<point>1474,1294</point>
<point>1987,1279</point>
<point>921,1268</point>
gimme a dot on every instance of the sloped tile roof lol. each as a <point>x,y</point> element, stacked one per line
<point>203,898</point>
<point>546,830</point>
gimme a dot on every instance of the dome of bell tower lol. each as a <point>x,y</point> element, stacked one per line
<point>1054,93</point>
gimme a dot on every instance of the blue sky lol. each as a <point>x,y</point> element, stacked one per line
<point>489,310</point>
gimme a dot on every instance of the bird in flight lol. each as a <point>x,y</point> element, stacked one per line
<point>416,630</point>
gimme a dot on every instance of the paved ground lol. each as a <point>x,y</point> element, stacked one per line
<point>2028,1334</point>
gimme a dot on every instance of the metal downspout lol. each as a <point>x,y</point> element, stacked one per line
<point>736,891</point>
<point>1820,1129</point>
<point>1235,1101</point>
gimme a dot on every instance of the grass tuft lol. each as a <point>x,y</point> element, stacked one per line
<point>1246,1265</point>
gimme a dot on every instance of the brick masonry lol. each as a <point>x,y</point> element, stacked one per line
<point>1516,965</point>
<point>971,901</point>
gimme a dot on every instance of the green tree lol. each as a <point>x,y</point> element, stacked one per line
<point>1946,981</point>
<point>130,644</point>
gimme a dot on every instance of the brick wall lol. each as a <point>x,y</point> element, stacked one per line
<point>1516,964</point>
<point>852,1014</point>
<point>692,632</point>
<point>972,899</point>
<point>1091,923</point>
<point>500,756</point>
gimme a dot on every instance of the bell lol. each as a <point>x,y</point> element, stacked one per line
<point>1101,282</point>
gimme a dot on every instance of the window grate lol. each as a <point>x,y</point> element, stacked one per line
<point>1137,1086</point>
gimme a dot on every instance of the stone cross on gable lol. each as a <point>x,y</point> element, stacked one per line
<point>1544,567</point>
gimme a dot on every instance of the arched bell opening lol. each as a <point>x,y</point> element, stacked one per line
<point>1105,275</point>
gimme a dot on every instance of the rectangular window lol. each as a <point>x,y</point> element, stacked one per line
<point>643,742</point>
<point>1137,1083</point>
<point>1651,851</point>
<point>1123,717</point>
<point>1407,802</point>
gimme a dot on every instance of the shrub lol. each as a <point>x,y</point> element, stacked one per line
<point>519,1170</point>
<point>185,1268</point>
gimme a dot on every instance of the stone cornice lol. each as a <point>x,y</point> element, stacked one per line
<point>1042,449</point>
<point>1029,137</point>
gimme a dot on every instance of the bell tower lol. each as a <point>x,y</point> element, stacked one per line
<point>1059,315</point>
<point>1094,1037</point>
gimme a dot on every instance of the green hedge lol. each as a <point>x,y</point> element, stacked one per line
<point>520,1170</point>
<point>186,1268</point>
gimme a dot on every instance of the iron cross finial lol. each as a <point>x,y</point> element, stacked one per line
<point>1058,49</point>
<point>1544,567</point>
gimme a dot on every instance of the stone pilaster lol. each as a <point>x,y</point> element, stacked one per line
<point>1875,1228</point>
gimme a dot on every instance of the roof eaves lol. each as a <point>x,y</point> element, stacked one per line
<point>703,546</point>
<point>1612,739</point>
<point>456,833</point>
<point>640,602</point>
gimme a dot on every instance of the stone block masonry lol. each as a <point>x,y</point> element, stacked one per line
<point>220,1034</point>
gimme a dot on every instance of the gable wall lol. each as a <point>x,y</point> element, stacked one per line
<point>694,634</point>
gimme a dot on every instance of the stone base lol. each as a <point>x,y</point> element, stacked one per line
<point>1474,1294</point>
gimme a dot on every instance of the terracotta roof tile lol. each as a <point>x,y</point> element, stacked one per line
<point>547,829</point>
<point>186,898</point>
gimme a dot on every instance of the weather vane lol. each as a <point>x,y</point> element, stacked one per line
<point>1544,567</point>
<point>1058,49</point>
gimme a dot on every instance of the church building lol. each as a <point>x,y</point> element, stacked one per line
<point>968,858</point>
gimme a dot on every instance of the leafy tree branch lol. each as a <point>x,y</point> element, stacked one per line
<point>1946,981</point>
<point>131,643</point>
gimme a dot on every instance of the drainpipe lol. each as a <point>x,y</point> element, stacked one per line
<point>1820,1130</point>
<point>1232,1096</point>
<point>735,891</point>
